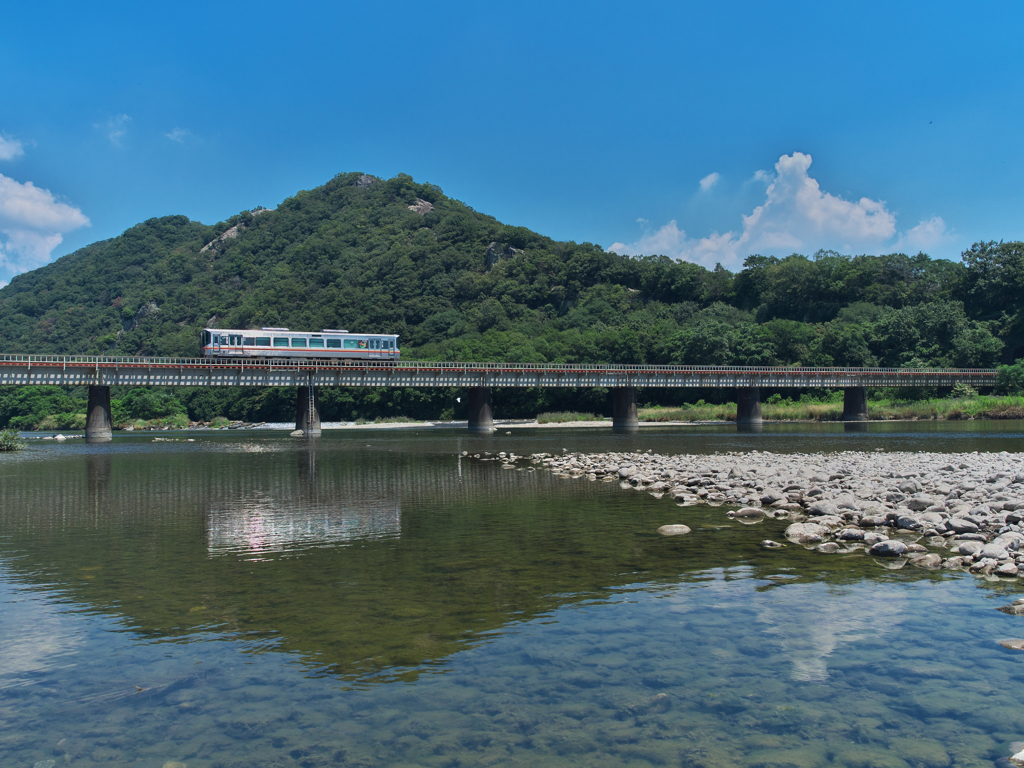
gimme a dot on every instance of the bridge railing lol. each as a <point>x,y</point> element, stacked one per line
<point>103,361</point>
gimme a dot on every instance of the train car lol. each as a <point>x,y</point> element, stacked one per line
<point>328,344</point>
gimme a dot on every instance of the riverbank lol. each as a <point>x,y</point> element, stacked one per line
<point>777,408</point>
<point>929,510</point>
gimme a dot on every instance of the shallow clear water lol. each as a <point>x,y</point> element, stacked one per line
<point>373,599</point>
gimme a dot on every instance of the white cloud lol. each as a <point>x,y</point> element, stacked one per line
<point>796,217</point>
<point>709,181</point>
<point>925,236</point>
<point>33,223</point>
<point>178,135</point>
<point>10,147</point>
<point>115,128</point>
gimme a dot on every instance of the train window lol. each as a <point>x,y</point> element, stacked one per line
<point>318,343</point>
<point>334,343</point>
<point>281,341</point>
<point>262,341</point>
<point>206,338</point>
<point>249,341</point>
<point>298,342</point>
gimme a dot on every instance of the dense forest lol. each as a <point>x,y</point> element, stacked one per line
<point>395,256</point>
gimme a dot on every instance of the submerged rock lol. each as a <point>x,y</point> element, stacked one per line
<point>769,544</point>
<point>674,530</point>
<point>806,533</point>
<point>755,512</point>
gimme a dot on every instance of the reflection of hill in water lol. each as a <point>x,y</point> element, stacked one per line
<point>365,562</point>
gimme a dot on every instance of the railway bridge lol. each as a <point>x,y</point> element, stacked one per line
<point>100,373</point>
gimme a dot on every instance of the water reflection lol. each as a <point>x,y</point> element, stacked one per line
<point>855,426</point>
<point>841,617</point>
<point>245,602</point>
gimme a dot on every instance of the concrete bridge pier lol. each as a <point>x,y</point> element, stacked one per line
<point>98,421</point>
<point>624,417</point>
<point>481,416</point>
<point>307,411</point>
<point>855,404</point>
<point>748,406</point>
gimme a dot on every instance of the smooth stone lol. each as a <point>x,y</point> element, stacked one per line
<point>806,533</point>
<point>969,548</point>
<point>890,548</point>
<point>1013,645</point>
<point>1007,569</point>
<point>994,551</point>
<point>931,560</point>
<point>296,433</point>
<point>960,525</point>
<point>822,508</point>
<point>769,544</point>
<point>829,548</point>
<point>908,523</point>
<point>674,530</point>
<point>748,512</point>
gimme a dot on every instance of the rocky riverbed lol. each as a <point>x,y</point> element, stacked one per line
<point>930,510</point>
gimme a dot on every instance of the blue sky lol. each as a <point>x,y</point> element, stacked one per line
<point>705,131</point>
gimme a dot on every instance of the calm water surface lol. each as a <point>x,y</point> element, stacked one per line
<point>371,599</point>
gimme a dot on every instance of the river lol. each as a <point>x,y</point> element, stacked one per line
<point>373,598</point>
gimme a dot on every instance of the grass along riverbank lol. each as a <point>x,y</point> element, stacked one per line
<point>784,409</point>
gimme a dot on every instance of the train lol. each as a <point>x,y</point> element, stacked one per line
<point>284,343</point>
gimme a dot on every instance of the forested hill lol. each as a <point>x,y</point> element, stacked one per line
<point>394,256</point>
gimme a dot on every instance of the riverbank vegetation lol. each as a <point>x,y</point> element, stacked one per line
<point>9,440</point>
<point>565,417</point>
<point>882,408</point>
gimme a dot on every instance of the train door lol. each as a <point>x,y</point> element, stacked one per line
<point>390,344</point>
<point>374,349</point>
<point>216,343</point>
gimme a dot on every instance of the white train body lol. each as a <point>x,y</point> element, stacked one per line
<point>327,344</point>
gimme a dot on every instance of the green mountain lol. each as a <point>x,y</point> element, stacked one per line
<point>395,256</point>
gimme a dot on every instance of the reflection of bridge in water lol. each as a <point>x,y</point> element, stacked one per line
<point>99,373</point>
